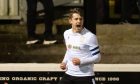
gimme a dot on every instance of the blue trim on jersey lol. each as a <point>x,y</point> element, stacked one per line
<point>95,48</point>
<point>96,53</point>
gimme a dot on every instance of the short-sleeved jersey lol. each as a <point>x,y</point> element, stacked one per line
<point>84,46</point>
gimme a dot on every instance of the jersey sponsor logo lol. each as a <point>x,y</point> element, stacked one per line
<point>69,46</point>
<point>73,47</point>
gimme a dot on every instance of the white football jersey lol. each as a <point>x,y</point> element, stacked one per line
<point>84,46</point>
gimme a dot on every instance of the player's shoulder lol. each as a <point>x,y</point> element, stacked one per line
<point>88,33</point>
<point>67,32</point>
<point>90,37</point>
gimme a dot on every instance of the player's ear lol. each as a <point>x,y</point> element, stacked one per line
<point>70,21</point>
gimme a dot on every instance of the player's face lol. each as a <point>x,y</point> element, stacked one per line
<point>77,22</point>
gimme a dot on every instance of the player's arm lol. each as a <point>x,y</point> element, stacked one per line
<point>94,50</point>
<point>64,61</point>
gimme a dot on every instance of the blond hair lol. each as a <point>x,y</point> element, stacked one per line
<point>75,10</point>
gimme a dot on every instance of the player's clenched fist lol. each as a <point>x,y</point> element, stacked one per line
<point>76,61</point>
<point>63,66</point>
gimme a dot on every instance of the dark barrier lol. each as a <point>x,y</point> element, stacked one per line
<point>53,77</point>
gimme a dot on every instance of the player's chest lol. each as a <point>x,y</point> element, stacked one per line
<point>76,43</point>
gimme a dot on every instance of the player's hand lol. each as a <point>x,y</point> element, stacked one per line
<point>63,66</point>
<point>76,61</point>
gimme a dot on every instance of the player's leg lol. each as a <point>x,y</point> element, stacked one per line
<point>66,79</point>
<point>84,80</point>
